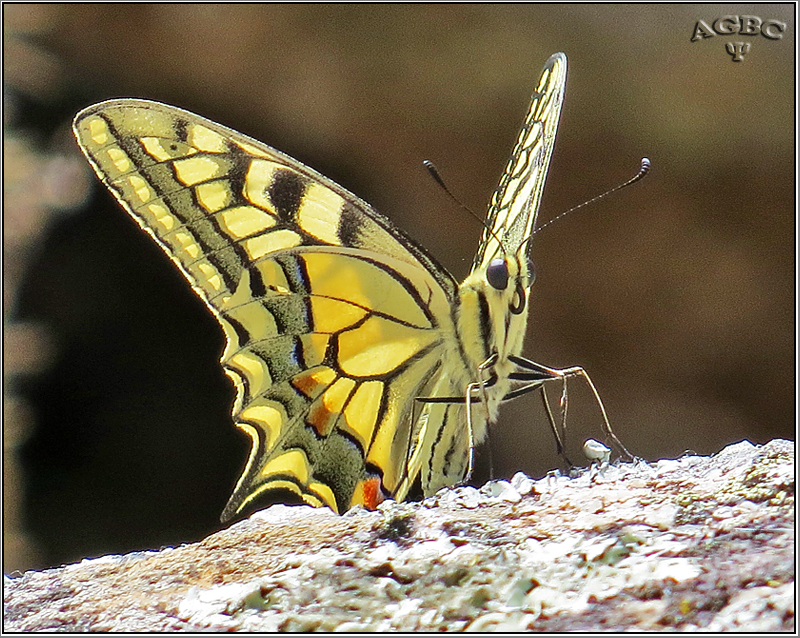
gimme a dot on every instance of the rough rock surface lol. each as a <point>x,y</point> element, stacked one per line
<point>695,543</point>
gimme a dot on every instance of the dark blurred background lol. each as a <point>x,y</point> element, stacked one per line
<point>677,295</point>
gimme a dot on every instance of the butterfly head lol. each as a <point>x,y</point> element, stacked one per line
<point>494,299</point>
<point>499,277</point>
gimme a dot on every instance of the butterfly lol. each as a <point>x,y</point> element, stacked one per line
<point>361,367</point>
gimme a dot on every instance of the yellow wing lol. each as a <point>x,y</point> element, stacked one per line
<point>336,322</point>
<point>512,211</point>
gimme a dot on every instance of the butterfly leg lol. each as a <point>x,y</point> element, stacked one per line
<point>536,374</point>
<point>484,383</point>
<point>560,448</point>
<point>577,371</point>
<point>482,368</point>
<point>471,443</point>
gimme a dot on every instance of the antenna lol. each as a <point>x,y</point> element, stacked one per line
<point>438,179</point>
<point>643,170</point>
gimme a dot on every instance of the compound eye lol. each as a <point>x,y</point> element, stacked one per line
<point>497,274</point>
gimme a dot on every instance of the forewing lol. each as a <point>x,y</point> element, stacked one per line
<point>515,202</point>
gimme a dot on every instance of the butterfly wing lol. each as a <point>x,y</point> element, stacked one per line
<point>515,202</point>
<point>337,324</point>
<point>334,319</point>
